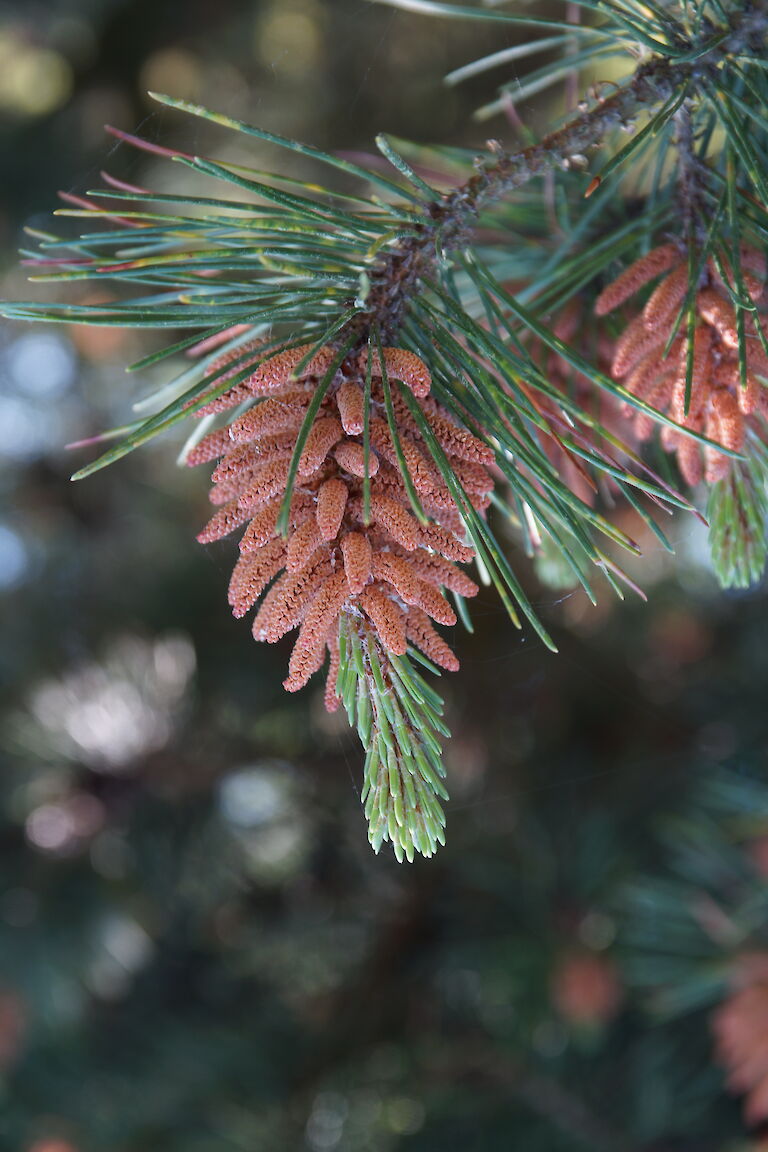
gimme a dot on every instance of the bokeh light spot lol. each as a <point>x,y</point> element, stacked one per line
<point>172,70</point>
<point>288,38</point>
<point>34,80</point>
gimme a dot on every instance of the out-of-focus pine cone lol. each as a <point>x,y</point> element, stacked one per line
<point>719,405</point>
<point>597,348</point>
<point>586,989</point>
<point>740,1026</point>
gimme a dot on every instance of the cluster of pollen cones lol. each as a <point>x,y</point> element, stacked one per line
<point>572,327</point>
<point>740,1026</point>
<point>652,363</point>
<point>386,572</point>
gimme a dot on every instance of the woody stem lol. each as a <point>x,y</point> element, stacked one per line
<point>447,222</point>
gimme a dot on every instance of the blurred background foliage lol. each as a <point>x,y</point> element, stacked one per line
<point>198,950</point>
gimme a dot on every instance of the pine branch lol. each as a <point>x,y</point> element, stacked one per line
<point>375,368</point>
<point>653,84</point>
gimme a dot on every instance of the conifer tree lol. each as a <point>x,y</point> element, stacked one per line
<point>388,366</point>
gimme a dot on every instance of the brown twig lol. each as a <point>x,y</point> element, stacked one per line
<point>450,219</point>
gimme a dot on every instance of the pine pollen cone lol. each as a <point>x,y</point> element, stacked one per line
<point>652,363</point>
<point>572,327</point>
<point>388,570</point>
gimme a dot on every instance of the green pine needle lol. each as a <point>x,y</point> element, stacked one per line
<point>738,522</point>
<point>397,716</point>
